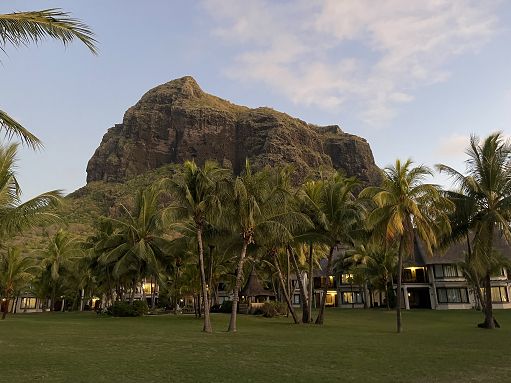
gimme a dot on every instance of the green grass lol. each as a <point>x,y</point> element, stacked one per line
<point>352,346</point>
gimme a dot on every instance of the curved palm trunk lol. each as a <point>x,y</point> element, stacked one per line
<point>207,320</point>
<point>283,286</point>
<point>489,320</point>
<point>301,286</point>
<point>477,282</point>
<point>303,295</point>
<point>399,275</point>
<point>210,276</point>
<point>311,280</point>
<point>320,319</point>
<point>236,297</point>
<point>5,308</point>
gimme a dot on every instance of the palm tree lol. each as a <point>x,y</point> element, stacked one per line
<point>198,197</point>
<point>405,205</point>
<point>16,271</point>
<point>58,257</point>
<point>335,213</point>
<point>487,190</point>
<point>14,215</point>
<point>260,207</point>
<point>22,28</point>
<point>137,246</point>
<point>357,260</point>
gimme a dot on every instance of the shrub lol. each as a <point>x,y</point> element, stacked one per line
<point>273,309</point>
<point>140,308</point>
<point>125,309</point>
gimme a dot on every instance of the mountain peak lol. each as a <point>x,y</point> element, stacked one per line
<point>178,121</point>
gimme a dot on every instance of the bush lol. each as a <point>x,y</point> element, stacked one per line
<point>273,309</point>
<point>140,308</point>
<point>125,309</point>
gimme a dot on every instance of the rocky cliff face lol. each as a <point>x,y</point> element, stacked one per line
<point>177,121</point>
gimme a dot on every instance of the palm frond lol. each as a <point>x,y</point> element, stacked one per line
<point>23,28</point>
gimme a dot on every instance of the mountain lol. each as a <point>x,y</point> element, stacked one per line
<point>178,121</point>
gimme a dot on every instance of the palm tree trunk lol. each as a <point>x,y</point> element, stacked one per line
<point>153,292</point>
<point>320,319</point>
<point>366,303</point>
<point>311,280</point>
<point>389,290</point>
<point>210,276</point>
<point>399,275</point>
<point>5,308</point>
<point>303,295</point>
<point>489,321</point>
<point>53,294</point>
<point>236,297</point>
<point>207,320</point>
<point>283,286</point>
<point>288,276</point>
<point>133,289</point>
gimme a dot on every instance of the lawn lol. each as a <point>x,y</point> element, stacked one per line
<point>352,346</point>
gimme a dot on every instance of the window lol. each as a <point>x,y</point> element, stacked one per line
<point>28,303</point>
<point>352,297</point>
<point>346,279</point>
<point>221,286</point>
<point>450,271</point>
<point>499,294</point>
<point>296,299</point>
<point>452,295</point>
<point>447,271</point>
<point>407,275</point>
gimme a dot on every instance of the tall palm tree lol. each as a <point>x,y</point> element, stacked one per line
<point>486,188</point>
<point>137,245</point>
<point>335,213</point>
<point>22,28</point>
<point>197,193</point>
<point>62,250</point>
<point>406,205</point>
<point>16,271</point>
<point>259,208</point>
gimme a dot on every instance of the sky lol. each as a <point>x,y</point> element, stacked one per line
<point>415,78</point>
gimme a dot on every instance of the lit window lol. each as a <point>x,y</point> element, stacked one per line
<point>28,303</point>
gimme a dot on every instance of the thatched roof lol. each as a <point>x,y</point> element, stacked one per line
<point>456,252</point>
<point>254,287</point>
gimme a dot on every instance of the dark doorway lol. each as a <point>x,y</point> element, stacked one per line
<point>418,297</point>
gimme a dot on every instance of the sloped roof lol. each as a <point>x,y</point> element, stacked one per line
<point>456,252</point>
<point>254,287</point>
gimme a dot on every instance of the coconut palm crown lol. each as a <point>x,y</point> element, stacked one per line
<point>407,207</point>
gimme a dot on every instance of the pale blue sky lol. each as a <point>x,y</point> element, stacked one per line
<point>415,78</point>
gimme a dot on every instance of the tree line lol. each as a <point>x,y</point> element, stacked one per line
<point>200,225</point>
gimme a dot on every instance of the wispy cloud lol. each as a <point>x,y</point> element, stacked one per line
<point>453,145</point>
<point>367,55</point>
